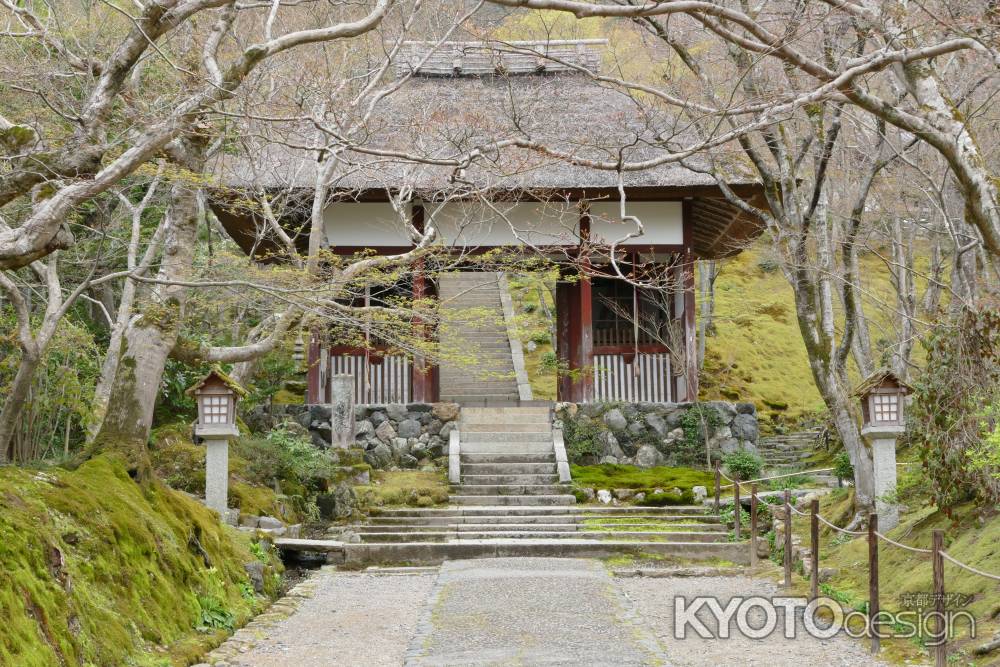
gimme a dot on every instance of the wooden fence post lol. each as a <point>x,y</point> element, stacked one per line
<point>941,650</point>
<point>737,508</point>
<point>814,544</point>
<point>718,486</point>
<point>788,538</point>
<point>873,606</point>
<point>753,525</point>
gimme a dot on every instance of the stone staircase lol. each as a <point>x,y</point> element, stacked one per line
<point>473,324</point>
<point>788,450</point>
<point>508,501</point>
<point>508,458</point>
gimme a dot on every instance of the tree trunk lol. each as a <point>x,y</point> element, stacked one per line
<point>150,337</point>
<point>14,403</point>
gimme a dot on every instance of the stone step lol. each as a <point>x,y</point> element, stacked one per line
<point>509,489</point>
<point>520,411</point>
<point>480,399</point>
<point>521,449</point>
<point>524,479</point>
<point>509,517</point>
<point>582,511</point>
<point>532,524</point>
<point>432,553</point>
<point>538,435</point>
<point>448,536</point>
<point>538,426</point>
<point>504,458</point>
<point>515,468</point>
<point>467,499</point>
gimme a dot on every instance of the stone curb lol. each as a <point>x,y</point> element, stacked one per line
<point>667,572</point>
<point>244,639</point>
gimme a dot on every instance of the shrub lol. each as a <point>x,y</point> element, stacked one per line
<point>842,467</point>
<point>549,361</point>
<point>288,458</point>
<point>743,464</point>
<point>540,337</point>
<point>582,439</point>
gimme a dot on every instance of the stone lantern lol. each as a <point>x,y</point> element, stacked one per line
<point>883,407</point>
<point>216,395</point>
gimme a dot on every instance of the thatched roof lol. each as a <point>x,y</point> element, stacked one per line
<point>438,116</point>
<point>882,377</point>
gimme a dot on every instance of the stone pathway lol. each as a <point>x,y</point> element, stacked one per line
<point>518,611</point>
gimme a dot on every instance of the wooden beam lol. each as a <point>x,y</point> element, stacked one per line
<point>690,326</point>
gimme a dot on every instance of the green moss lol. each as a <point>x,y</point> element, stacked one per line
<point>614,476</point>
<point>101,570</point>
<point>412,488</point>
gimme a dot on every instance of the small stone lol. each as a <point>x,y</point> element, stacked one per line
<point>589,493</point>
<point>446,412</point>
<point>700,493</point>
<point>676,435</point>
<point>610,445</point>
<point>408,461</point>
<point>657,424</point>
<point>396,411</point>
<point>385,432</point>
<point>604,496</point>
<point>269,523</point>
<point>379,457</point>
<point>615,419</point>
<point>377,418</point>
<point>624,494</point>
<point>746,409</point>
<point>409,428</point>
<point>255,572</point>
<point>364,429</point>
<point>446,430</point>
<point>609,459</point>
<point>531,346</point>
<point>745,427</point>
<point>362,478</point>
<point>648,457</point>
<point>400,446</point>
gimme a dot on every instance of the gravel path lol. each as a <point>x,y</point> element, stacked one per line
<point>352,619</point>
<point>654,599</point>
<point>530,611</point>
<point>523,611</point>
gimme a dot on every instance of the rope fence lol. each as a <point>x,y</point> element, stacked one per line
<point>936,552</point>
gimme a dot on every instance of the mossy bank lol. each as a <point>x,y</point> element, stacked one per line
<point>99,570</point>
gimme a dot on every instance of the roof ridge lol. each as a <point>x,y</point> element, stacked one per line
<point>486,58</point>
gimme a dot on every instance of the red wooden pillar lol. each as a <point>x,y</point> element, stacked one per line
<point>564,340</point>
<point>424,378</point>
<point>585,349</point>
<point>312,372</point>
<point>690,327</point>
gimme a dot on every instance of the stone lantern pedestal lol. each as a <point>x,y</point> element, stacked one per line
<point>883,443</point>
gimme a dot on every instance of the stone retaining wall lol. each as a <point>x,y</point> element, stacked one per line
<point>391,435</point>
<point>653,434</point>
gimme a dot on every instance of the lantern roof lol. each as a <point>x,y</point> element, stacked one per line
<point>882,378</point>
<point>219,375</point>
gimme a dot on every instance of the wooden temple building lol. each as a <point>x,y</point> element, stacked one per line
<point>468,95</point>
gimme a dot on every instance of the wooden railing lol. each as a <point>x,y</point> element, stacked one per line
<point>389,381</point>
<point>937,554</point>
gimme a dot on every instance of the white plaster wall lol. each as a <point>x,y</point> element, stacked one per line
<point>505,223</point>
<point>372,224</point>
<point>662,222</point>
<point>365,224</point>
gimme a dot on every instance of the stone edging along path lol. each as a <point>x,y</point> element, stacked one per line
<point>246,637</point>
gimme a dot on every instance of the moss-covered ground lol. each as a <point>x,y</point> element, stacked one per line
<point>99,570</point>
<point>614,476</point>
<point>403,488</point>
<point>535,312</point>
<point>972,535</point>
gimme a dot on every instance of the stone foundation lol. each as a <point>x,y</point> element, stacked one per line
<point>653,434</point>
<point>391,435</point>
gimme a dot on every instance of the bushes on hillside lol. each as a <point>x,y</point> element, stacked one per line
<point>954,413</point>
<point>743,464</point>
